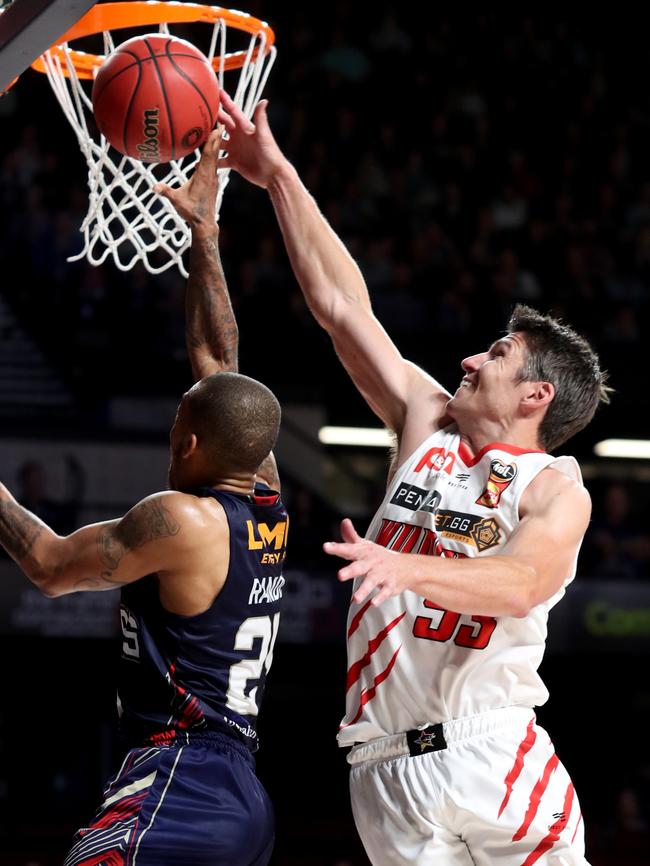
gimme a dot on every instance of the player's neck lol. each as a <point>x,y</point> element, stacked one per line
<point>519,435</point>
<point>244,484</point>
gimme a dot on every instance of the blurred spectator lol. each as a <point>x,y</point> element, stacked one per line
<point>32,492</point>
<point>617,544</point>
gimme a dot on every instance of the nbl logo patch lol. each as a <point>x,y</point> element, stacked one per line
<point>501,476</point>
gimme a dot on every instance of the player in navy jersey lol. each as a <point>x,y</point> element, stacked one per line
<point>200,572</point>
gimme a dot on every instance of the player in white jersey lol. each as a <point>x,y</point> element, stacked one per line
<point>475,541</point>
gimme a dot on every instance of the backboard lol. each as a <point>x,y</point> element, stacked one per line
<point>29,27</point>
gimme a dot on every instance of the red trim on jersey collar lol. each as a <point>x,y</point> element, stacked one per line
<point>266,500</point>
<point>263,495</point>
<point>469,459</point>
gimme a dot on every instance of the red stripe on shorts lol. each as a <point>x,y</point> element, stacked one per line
<point>524,747</point>
<point>575,832</point>
<point>118,811</point>
<point>554,830</point>
<point>538,792</point>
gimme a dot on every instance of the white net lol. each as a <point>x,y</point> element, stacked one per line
<point>126,219</point>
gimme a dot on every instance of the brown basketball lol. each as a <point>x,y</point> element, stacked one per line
<point>156,98</point>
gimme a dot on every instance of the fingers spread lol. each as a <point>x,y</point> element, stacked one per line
<point>385,592</point>
<point>213,142</point>
<point>163,190</point>
<point>356,569</point>
<point>345,551</point>
<point>260,116</point>
<point>241,122</point>
<point>364,591</point>
<point>227,120</point>
<point>348,532</point>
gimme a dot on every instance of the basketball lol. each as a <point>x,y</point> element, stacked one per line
<point>155,98</point>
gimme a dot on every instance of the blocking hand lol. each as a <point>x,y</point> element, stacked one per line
<point>381,569</point>
<point>196,200</point>
<point>252,150</point>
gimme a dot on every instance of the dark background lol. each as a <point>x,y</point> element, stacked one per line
<point>469,161</point>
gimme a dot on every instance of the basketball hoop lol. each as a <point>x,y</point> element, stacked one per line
<point>126,219</point>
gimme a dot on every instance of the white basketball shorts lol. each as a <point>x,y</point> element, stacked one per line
<point>478,791</point>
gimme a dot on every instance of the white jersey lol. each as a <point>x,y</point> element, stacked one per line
<point>412,664</point>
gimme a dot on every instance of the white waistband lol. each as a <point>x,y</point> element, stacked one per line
<point>396,746</point>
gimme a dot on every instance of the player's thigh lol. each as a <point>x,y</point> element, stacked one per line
<point>514,802</point>
<point>206,807</point>
<point>396,811</point>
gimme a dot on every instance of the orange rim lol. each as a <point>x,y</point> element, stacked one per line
<point>138,13</point>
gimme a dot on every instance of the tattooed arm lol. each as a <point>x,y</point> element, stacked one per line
<point>211,331</point>
<point>210,327</point>
<point>156,535</point>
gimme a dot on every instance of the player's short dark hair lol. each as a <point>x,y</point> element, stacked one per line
<point>557,354</point>
<point>235,418</point>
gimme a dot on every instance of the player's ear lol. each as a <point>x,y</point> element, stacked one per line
<point>190,444</point>
<point>537,395</point>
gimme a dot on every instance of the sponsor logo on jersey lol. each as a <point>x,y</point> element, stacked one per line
<point>437,460</point>
<point>501,476</point>
<point>260,537</point>
<point>266,589</point>
<point>411,538</point>
<point>481,532</point>
<point>248,732</point>
<point>461,479</point>
<point>416,499</point>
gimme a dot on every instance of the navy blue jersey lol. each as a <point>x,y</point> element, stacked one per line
<point>185,674</point>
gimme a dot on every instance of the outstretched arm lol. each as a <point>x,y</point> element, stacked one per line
<point>532,566</point>
<point>211,332</point>
<point>332,284</point>
<point>156,535</point>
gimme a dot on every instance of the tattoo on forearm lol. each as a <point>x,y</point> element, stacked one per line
<point>209,314</point>
<point>146,522</point>
<point>19,529</point>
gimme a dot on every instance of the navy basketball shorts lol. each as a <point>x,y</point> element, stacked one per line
<point>197,803</point>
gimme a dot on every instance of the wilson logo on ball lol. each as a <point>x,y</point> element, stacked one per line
<point>149,150</point>
<point>162,71</point>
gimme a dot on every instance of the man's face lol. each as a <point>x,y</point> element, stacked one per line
<point>490,389</point>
